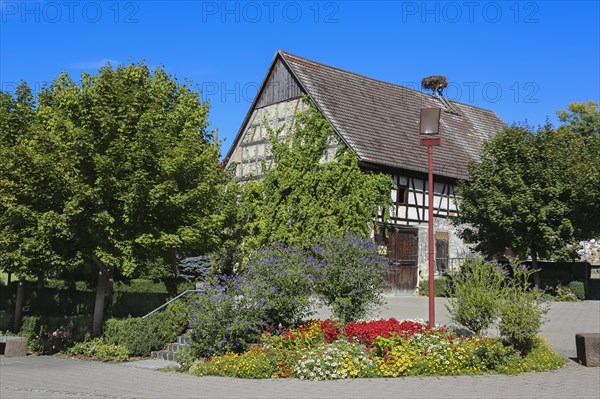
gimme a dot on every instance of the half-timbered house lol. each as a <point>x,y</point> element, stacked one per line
<point>379,122</point>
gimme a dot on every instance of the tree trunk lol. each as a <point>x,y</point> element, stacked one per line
<point>537,281</point>
<point>101,286</point>
<point>19,305</point>
<point>111,283</point>
<point>40,282</point>
<point>171,281</point>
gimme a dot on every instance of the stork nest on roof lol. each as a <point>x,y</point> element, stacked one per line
<point>435,83</point>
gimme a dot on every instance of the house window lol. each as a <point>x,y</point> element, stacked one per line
<point>402,195</point>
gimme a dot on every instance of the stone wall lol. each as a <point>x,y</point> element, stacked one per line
<point>589,251</point>
<point>458,250</point>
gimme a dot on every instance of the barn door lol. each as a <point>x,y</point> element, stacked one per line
<point>403,251</point>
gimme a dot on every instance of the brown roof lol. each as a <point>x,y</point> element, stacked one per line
<point>379,120</point>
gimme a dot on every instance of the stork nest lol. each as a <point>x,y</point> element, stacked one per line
<point>435,83</point>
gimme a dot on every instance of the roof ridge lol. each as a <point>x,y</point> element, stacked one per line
<point>284,53</point>
<point>317,63</point>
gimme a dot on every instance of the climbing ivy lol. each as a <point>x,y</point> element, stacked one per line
<point>302,198</point>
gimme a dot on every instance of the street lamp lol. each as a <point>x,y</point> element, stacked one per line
<point>429,135</point>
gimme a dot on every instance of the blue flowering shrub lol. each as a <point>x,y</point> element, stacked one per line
<point>284,277</point>
<point>226,317</point>
<point>277,287</point>
<point>351,274</point>
<point>274,290</point>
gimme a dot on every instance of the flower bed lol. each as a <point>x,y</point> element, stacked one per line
<point>326,350</point>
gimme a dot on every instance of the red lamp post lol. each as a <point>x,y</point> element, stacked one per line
<point>430,135</point>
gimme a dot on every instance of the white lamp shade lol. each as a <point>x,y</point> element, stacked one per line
<point>430,121</point>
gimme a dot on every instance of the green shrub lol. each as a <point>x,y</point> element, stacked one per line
<point>523,309</point>
<point>139,296</point>
<point>351,274</point>
<point>476,294</point>
<point>62,285</point>
<point>493,356</point>
<point>185,358</point>
<point>141,336</point>
<point>52,334</point>
<point>578,289</point>
<point>441,287</point>
<point>98,349</point>
<point>560,293</point>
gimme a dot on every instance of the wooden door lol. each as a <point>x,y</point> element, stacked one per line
<point>403,251</point>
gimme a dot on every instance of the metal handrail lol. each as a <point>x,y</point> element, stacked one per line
<point>174,299</point>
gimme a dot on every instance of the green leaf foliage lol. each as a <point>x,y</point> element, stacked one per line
<point>582,118</point>
<point>33,190</point>
<point>302,199</point>
<point>535,192</point>
<point>476,294</point>
<point>118,167</point>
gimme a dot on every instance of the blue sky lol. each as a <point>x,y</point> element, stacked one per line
<point>524,60</point>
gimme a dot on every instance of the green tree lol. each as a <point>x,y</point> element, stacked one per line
<point>302,199</point>
<point>33,182</point>
<point>582,118</point>
<point>533,192</point>
<point>577,153</point>
<point>142,178</point>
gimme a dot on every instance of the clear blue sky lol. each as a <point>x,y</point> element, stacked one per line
<point>524,60</point>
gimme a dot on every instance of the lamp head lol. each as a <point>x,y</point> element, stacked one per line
<point>429,126</point>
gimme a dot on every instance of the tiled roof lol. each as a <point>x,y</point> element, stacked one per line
<point>379,120</point>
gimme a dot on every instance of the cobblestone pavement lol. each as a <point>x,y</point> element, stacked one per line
<point>48,377</point>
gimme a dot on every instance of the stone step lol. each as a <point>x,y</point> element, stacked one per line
<point>164,355</point>
<point>170,351</point>
<point>176,347</point>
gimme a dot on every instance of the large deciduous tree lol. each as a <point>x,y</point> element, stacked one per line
<point>33,188</point>
<point>138,172</point>
<point>302,199</point>
<point>535,192</point>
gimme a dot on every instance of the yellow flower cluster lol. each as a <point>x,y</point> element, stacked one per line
<point>541,358</point>
<point>398,361</point>
<point>254,363</point>
<point>449,360</point>
<point>350,366</point>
